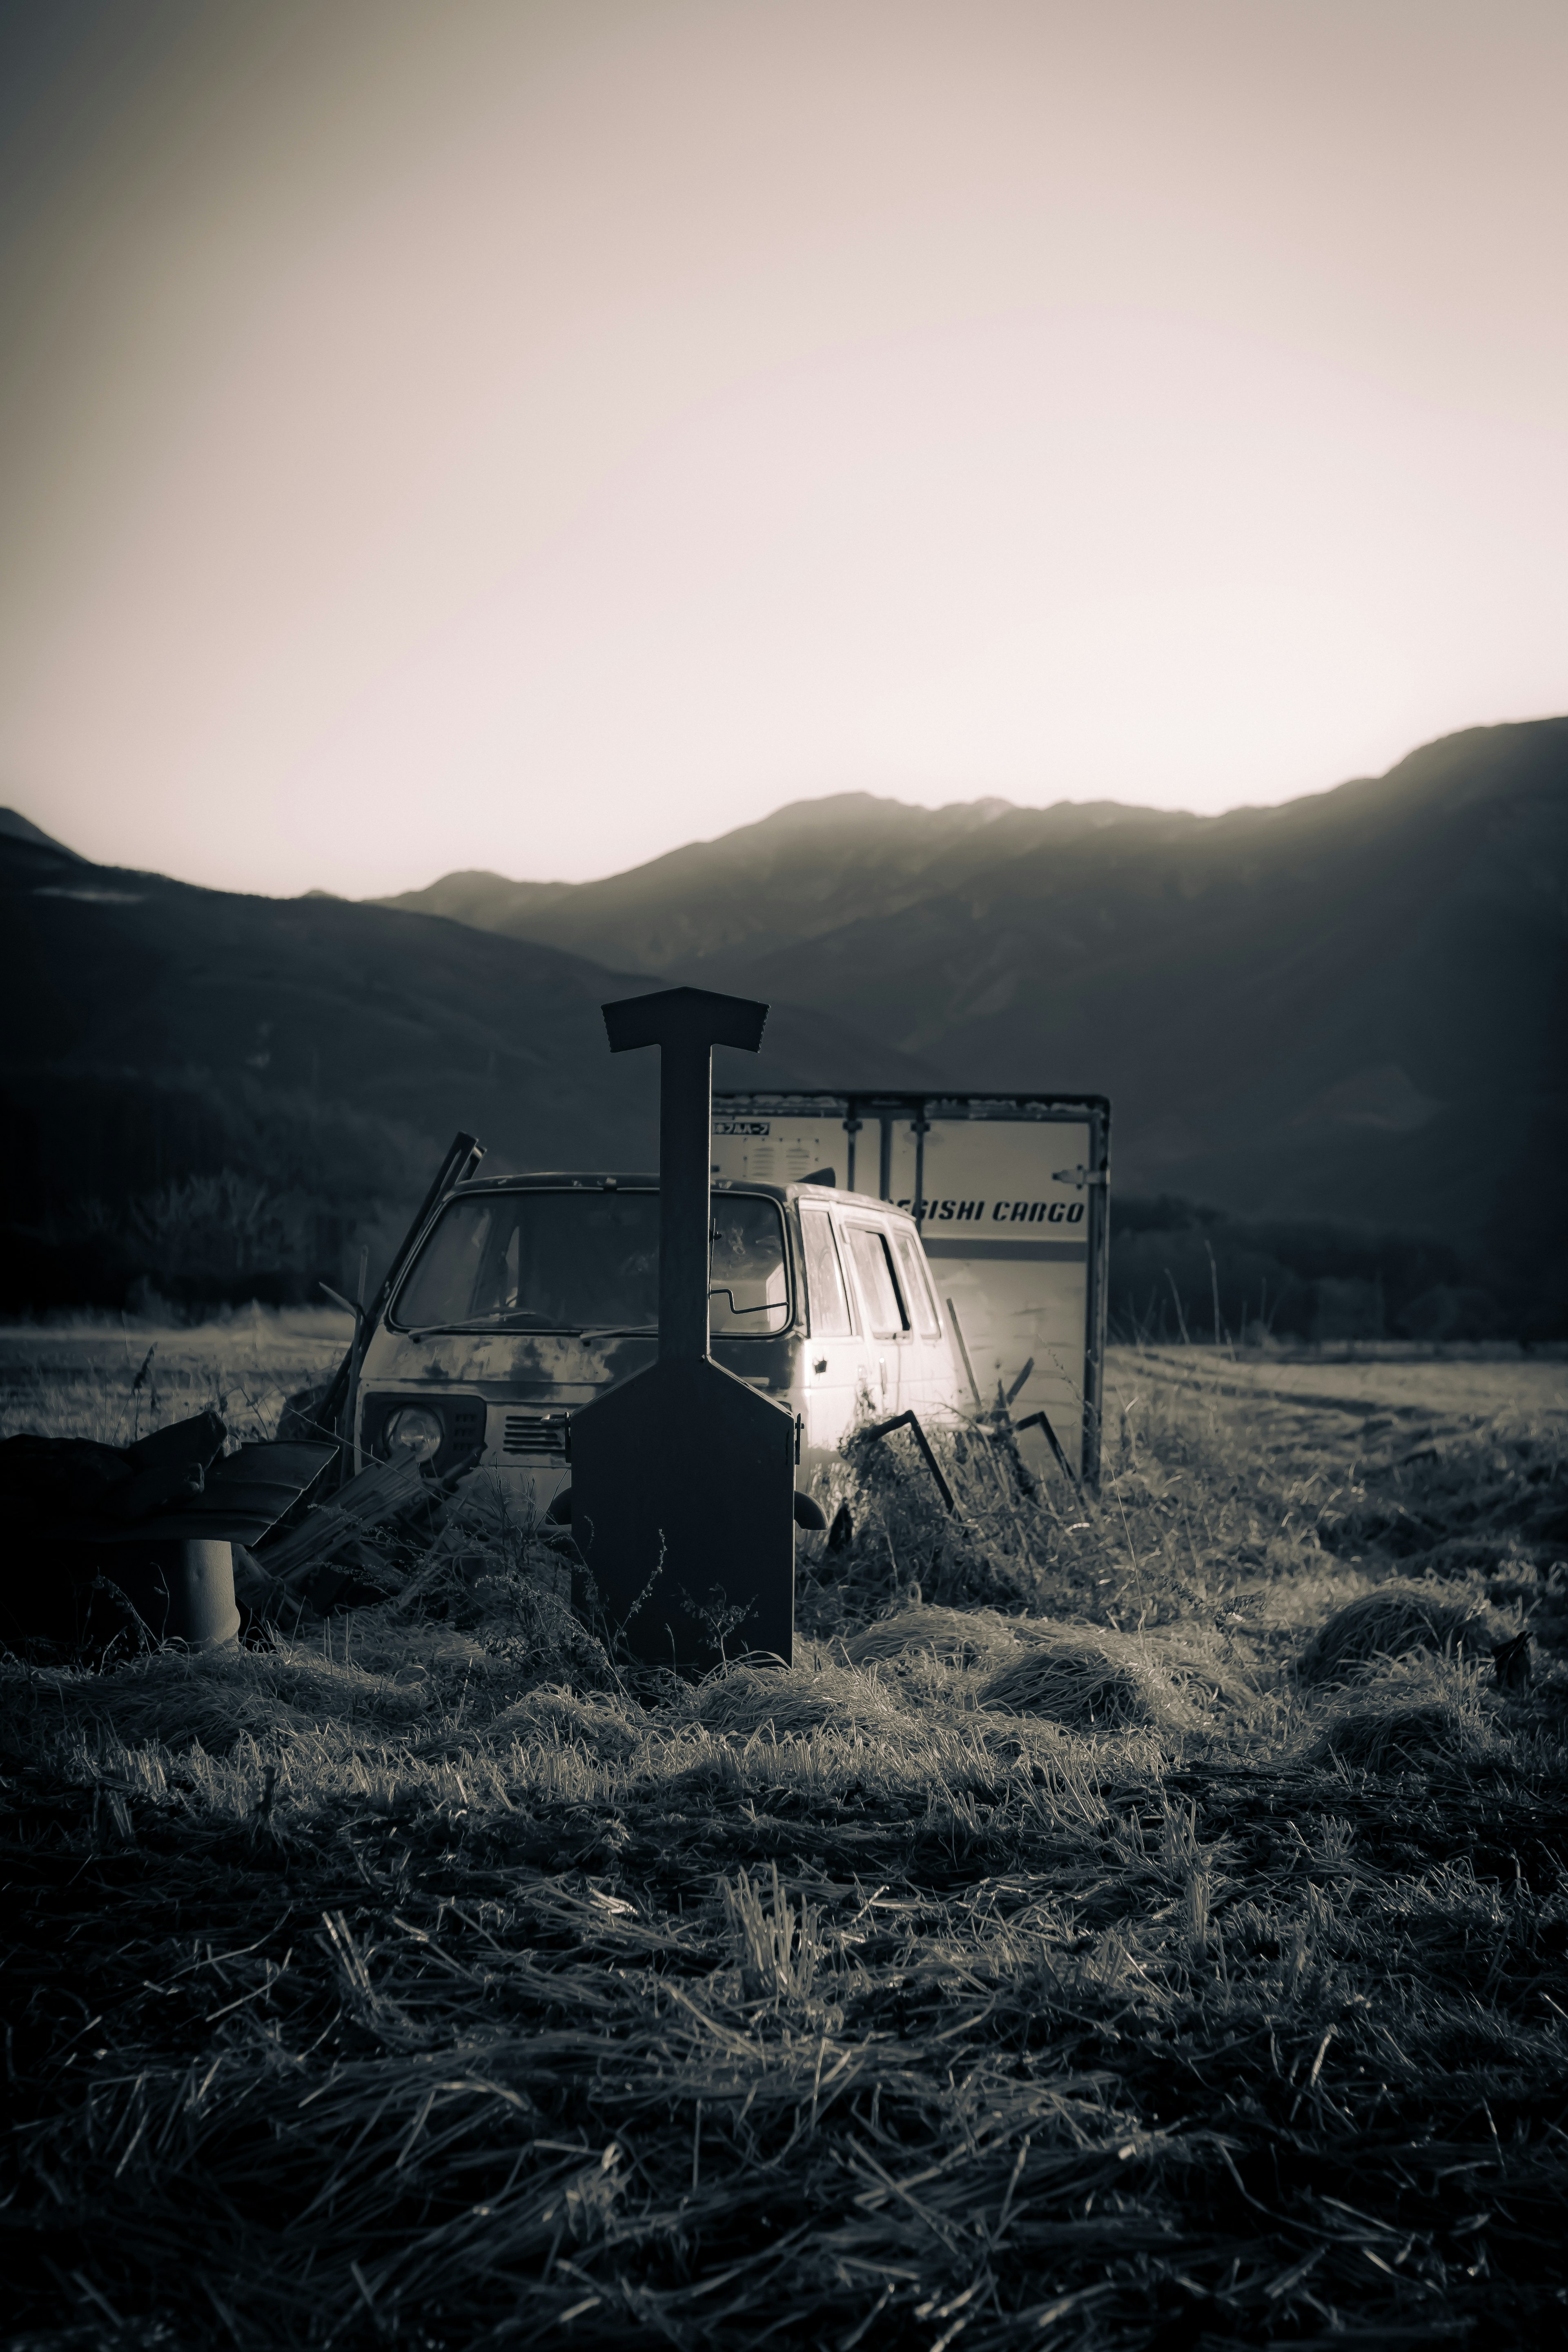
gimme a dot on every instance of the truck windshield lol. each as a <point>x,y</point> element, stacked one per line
<point>584,1262</point>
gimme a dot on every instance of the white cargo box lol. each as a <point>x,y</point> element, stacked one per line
<point>1010,1193</point>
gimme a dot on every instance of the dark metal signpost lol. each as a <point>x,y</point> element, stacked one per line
<point>683,1476</point>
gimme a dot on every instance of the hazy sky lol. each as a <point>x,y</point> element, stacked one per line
<point>529,436</point>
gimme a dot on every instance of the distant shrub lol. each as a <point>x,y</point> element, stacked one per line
<point>1450,1311</point>
<point>203,1195</point>
<point>1179,1269</point>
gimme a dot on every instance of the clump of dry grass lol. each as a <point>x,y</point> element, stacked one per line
<point>609,1726</point>
<point>1421,1712</point>
<point>962,1636</point>
<point>215,1699</point>
<point>1069,1674</point>
<point>815,1694</point>
<point>1087,1680</point>
<point>1393,1619</point>
<point>1082,1676</point>
<point>389,1672</point>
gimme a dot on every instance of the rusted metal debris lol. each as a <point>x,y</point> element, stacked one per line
<point>1513,1663</point>
<point>1041,1421</point>
<point>382,1491</point>
<point>177,1485</point>
<point>152,1522</point>
<point>910,1421</point>
<point>296,1570</point>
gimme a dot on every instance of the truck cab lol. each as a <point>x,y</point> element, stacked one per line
<point>525,1296</point>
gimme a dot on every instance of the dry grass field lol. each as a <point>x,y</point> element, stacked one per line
<point>1138,1922</point>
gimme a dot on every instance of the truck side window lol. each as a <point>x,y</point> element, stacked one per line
<point>917,1284</point>
<point>829,1301</point>
<point>749,1285</point>
<point>879,1296</point>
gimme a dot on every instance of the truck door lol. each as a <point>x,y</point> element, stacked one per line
<point>837,1357</point>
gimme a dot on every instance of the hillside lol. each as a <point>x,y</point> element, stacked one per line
<point>1349,1006</point>
<point>317,1052</point>
<point>14,827</point>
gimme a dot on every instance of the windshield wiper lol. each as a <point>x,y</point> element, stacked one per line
<point>512,1329</point>
<point>481,1323</point>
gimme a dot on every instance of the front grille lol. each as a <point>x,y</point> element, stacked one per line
<point>464,1423</point>
<point>534,1432</point>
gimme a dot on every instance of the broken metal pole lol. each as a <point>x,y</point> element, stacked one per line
<point>1042,1421</point>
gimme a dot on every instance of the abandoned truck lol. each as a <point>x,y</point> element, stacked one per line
<point>524,1296</point>
<point>1010,1195</point>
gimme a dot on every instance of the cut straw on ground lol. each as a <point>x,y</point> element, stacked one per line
<point>1154,1935</point>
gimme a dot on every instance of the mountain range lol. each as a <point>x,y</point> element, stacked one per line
<point>1347,1007</point>
<point>812,868</point>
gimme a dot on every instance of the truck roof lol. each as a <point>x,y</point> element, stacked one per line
<point>643,1180</point>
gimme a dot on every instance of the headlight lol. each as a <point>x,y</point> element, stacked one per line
<point>417,1428</point>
